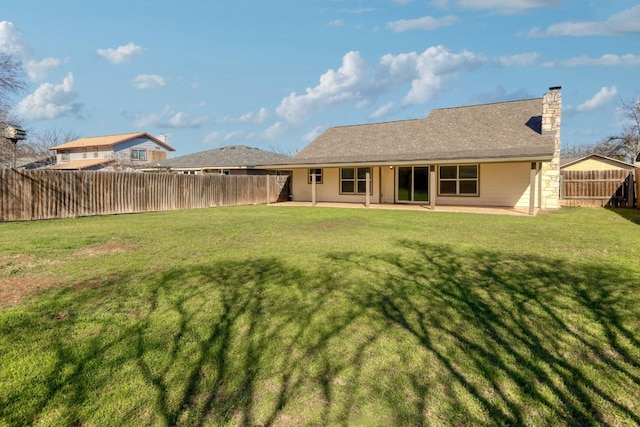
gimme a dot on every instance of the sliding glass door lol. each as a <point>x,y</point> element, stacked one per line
<point>413,184</point>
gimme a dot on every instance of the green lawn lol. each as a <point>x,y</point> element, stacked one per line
<point>282,316</point>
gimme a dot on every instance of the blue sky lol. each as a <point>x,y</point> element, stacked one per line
<point>274,74</point>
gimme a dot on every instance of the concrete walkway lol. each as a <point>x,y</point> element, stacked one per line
<point>416,207</point>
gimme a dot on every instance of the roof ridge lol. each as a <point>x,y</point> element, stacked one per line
<point>489,104</point>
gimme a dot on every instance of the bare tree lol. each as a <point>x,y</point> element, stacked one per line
<point>627,143</point>
<point>11,79</point>
<point>609,147</point>
<point>11,82</point>
<point>40,142</point>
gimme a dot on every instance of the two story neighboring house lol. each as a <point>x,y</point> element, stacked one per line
<point>97,152</point>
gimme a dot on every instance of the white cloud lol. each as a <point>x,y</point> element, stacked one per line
<point>382,111</point>
<point>625,22</point>
<point>335,87</point>
<point>38,70</point>
<point>222,138</point>
<point>355,82</point>
<point>168,118</point>
<point>50,101</point>
<point>610,60</point>
<point>507,6</point>
<point>274,131</point>
<point>358,11</point>
<point>11,42</point>
<point>148,81</point>
<point>519,60</point>
<point>426,23</point>
<point>249,117</point>
<point>120,54</point>
<point>604,96</point>
<point>336,23</point>
<point>429,70</point>
<point>313,133</point>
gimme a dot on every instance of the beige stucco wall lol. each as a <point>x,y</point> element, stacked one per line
<point>501,184</point>
<point>329,190</point>
<point>595,165</point>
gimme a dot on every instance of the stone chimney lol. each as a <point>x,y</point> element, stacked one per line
<point>551,117</point>
<point>552,110</point>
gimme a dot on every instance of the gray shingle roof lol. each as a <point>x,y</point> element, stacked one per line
<point>225,157</point>
<point>489,131</point>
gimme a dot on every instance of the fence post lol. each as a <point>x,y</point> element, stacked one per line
<point>636,177</point>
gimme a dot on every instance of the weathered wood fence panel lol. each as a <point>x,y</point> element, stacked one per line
<point>598,188</point>
<point>46,194</point>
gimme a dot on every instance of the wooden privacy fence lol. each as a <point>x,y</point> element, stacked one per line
<point>598,188</point>
<point>46,194</point>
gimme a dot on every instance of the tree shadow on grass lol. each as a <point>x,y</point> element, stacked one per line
<point>229,343</point>
<point>630,214</point>
<point>524,340</point>
<point>419,335</point>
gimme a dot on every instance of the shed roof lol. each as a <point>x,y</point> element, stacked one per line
<point>568,162</point>
<point>233,156</point>
<point>502,130</point>
<point>109,141</point>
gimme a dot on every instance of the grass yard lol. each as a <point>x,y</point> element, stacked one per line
<point>279,316</point>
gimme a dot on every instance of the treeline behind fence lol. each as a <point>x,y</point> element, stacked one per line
<point>46,194</point>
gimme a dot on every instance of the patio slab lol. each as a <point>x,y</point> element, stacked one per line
<point>416,207</point>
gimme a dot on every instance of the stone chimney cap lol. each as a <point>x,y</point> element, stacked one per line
<point>555,88</point>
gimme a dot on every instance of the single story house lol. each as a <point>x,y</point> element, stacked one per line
<point>93,153</point>
<point>229,160</point>
<point>502,154</point>
<point>595,162</point>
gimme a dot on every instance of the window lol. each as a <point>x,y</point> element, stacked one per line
<point>459,180</point>
<point>354,180</point>
<point>95,152</point>
<point>138,154</point>
<point>318,173</point>
<point>84,153</point>
<point>64,156</point>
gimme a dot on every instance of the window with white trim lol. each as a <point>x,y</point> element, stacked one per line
<point>354,181</point>
<point>65,156</point>
<point>318,173</point>
<point>139,154</point>
<point>458,180</point>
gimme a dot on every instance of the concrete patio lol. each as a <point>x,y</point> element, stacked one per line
<point>416,207</point>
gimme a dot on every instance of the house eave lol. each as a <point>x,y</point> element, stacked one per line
<point>457,160</point>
